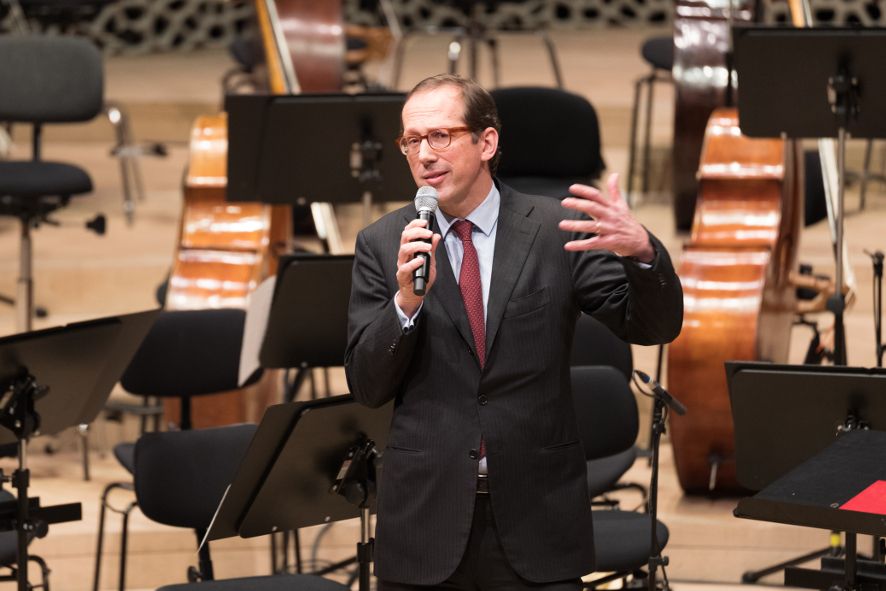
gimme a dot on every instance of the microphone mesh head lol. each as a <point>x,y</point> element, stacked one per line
<point>426,199</point>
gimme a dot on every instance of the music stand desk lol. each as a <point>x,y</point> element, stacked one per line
<point>814,495</point>
<point>50,380</point>
<point>284,480</point>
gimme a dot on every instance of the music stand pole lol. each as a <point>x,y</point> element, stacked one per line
<point>20,417</point>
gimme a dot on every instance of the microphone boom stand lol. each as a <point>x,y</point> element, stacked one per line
<point>661,400</point>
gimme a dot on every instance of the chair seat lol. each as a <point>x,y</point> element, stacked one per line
<point>125,454</point>
<point>631,530</point>
<point>604,473</point>
<point>659,52</point>
<point>29,179</point>
<point>268,583</point>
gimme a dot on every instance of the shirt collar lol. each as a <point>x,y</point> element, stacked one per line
<point>484,216</point>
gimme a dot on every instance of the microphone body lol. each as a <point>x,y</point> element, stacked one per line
<point>661,393</point>
<point>426,205</point>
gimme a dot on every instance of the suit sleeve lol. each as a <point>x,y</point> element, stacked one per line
<point>640,305</point>
<point>378,351</point>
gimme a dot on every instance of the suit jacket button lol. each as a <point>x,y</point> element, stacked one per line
<point>473,454</point>
<point>482,399</point>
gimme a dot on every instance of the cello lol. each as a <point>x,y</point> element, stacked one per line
<point>226,249</point>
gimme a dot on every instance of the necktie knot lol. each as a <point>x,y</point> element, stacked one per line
<point>463,229</point>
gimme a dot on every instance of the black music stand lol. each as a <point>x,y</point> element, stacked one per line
<point>316,147</point>
<point>50,380</point>
<point>839,489</point>
<point>814,83</point>
<point>308,322</point>
<point>802,408</point>
<point>309,463</point>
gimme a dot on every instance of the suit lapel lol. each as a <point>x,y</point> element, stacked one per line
<point>513,240</point>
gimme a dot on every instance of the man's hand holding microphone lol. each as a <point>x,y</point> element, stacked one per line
<point>416,263</point>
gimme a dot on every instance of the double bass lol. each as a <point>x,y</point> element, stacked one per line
<point>226,249</point>
<point>739,283</point>
<point>738,296</point>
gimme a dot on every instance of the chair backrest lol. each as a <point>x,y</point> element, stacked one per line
<point>180,476</point>
<point>549,133</point>
<point>49,79</point>
<point>188,353</point>
<point>605,409</point>
<point>595,344</point>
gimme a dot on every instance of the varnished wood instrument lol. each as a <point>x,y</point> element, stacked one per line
<point>701,79</point>
<point>739,302</point>
<point>739,282</point>
<point>226,249</point>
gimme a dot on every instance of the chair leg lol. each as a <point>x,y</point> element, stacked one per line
<point>647,132</point>
<point>124,545</point>
<point>44,572</point>
<point>454,52</point>
<point>866,172</point>
<point>492,44</point>
<point>24,308</point>
<point>552,55</point>
<point>83,432</point>
<point>124,534</point>
<point>632,144</point>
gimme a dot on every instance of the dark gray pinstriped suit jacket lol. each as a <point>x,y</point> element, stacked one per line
<point>536,464</point>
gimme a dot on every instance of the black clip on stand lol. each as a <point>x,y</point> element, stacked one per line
<point>310,463</point>
<point>79,365</point>
<point>356,483</point>
<point>662,399</point>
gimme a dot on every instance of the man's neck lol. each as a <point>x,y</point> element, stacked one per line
<point>478,194</point>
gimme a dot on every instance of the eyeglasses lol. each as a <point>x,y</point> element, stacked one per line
<point>438,139</point>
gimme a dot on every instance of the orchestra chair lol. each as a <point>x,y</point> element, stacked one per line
<point>595,345</point>
<point>186,353</point>
<point>478,28</point>
<point>538,156</point>
<point>180,477</point>
<point>608,423</point>
<point>45,80</point>
<point>658,52</point>
<point>9,552</point>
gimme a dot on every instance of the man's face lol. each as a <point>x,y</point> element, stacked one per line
<point>459,173</point>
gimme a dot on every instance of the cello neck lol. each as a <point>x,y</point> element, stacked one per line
<point>281,70</point>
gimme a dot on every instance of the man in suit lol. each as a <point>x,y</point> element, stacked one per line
<point>483,483</point>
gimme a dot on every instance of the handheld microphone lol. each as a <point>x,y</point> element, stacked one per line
<point>426,204</point>
<point>661,393</point>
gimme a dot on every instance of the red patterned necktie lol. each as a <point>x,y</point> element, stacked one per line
<point>471,287</point>
<point>472,295</point>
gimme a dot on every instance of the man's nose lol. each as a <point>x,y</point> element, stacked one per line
<point>425,152</point>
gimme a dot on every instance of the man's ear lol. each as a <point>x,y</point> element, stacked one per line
<point>488,143</point>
